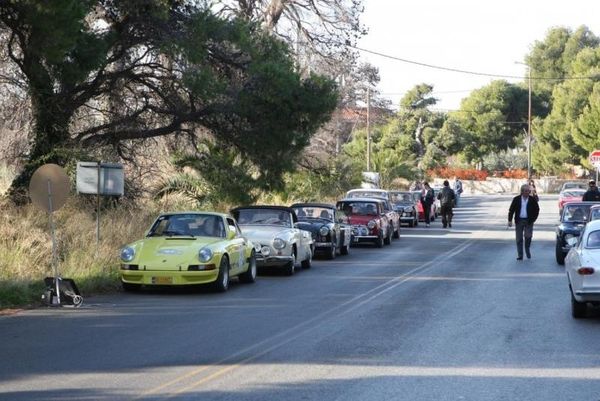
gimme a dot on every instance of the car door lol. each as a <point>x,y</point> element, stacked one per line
<point>236,248</point>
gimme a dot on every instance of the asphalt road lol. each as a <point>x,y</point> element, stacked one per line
<point>438,315</point>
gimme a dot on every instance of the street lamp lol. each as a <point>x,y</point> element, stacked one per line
<point>528,140</point>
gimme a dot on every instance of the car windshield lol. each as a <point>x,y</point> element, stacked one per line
<point>402,197</point>
<point>366,194</point>
<point>314,212</point>
<point>359,208</point>
<point>576,213</point>
<point>571,185</point>
<point>572,193</point>
<point>276,217</point>
<point>593,240</point>
<point>189,225</point>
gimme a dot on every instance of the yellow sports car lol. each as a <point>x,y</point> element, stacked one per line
<point>189,248</point>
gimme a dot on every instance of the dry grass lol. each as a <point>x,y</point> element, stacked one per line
<point>26,247</point>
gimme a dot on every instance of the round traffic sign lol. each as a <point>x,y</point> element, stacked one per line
<point>49,187</point>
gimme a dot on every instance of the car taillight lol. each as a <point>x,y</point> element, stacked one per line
<point>585,271</point>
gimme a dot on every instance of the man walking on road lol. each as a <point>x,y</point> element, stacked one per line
<point>592,194</point>
<point>525,210</point>
<point>458,189</point>
<point>427,198</point>
<point>447,198</point>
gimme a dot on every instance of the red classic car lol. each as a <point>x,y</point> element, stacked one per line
<point>569,195</point>
<point>368,219</point>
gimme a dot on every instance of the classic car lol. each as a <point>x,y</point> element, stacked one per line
<point>574,185</point>
<point>393,216</point>
<point>405,205</point>
<point>330,230</point>
<point>438,203</point>
<point>420,212</point>
<point>277,240</point>
<point>368,219</point>
<point>189,248</point>
<point>582,266</point>
<point>569,195</point>
<point>594,213</point>
<point>572,221</point>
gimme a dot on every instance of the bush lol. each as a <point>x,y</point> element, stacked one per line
<point>461,173</point>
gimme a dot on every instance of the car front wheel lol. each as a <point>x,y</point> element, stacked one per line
<point>222,283</point>
<point>560,255</point>
<point>249,276</point>
<point>290,267</point>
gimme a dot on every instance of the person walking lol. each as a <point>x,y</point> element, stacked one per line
<point>458,189</point>
<point>427,198</point>
<point>592,194</point>
<point>447,198</point>
<point>533,190</point>
<point>525,210</point>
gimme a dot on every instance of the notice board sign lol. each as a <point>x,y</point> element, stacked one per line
<point>105,179</point>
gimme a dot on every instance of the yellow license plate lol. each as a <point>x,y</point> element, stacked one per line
<point>162,280</point>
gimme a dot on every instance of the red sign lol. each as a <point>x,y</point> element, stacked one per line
<point>595,158</point>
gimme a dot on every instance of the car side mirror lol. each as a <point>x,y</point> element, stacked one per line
<point>231,233</point>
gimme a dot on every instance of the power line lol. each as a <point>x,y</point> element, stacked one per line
<point>483,74</point>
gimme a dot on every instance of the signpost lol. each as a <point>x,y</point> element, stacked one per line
<point>595,160</point>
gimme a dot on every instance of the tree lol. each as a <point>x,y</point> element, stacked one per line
<point>114,72</point>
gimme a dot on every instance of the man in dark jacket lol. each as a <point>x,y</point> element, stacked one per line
<point>447,198</point>
<point>427,198</point>
<point>592,194</point>
<point>525,210</point>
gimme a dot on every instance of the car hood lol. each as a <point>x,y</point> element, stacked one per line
<point>312,226</point>
<point>571,228</point>
<point>263,233</point>
<point>171,252</point>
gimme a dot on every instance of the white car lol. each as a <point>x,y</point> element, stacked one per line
<point>582,265</point>
<point>277,240</point>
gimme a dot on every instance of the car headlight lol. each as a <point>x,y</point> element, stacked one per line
<point>408,209</point>
<point>324,231</point>
<point>567,236</point>
<point>265,251</point>
<point>204,255</point>
<point>257,247</point>
<point>278,243</point>
<point>371,224</point>
<point>127,254</point>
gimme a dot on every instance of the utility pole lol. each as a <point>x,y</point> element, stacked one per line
<point>529,126</point>
<point>368,129</point>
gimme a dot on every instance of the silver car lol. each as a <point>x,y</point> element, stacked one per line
<point>277,240</point>
<point>582,265</point>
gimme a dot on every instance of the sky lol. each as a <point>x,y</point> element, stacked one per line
<point>485,36</point>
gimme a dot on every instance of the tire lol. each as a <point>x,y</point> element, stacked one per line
<point>388,238</point>
<point>416,222</point>
<point>397,232</point>
<point>578,309</point>
<point>307,263</point>
<point>411,223</point>
<point>345,249</point>
<point>560,255</point>
<point>222,282</point>
<point>130,287</point>
<point>249,276</point>
<point>332,252</point>
<point>379,242</point>
<point>290,267</point>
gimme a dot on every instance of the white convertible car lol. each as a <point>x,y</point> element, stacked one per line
<point>583,269</point>
<point>277,240</point>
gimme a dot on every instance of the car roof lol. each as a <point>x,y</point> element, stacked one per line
<point>314,204</point>
<point>378,200</point>
<point>196,212</point>
<point>593,225</point>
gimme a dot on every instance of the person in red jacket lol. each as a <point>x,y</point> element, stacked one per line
<point>525,210</point>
